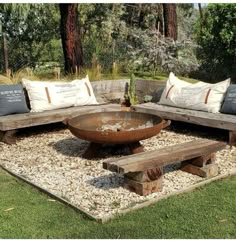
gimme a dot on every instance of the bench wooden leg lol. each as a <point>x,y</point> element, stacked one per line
<point>8,137</point>
<point>203,166</point>
<point>136,147</point>
<point>146,182</point>
<point>232,138</point>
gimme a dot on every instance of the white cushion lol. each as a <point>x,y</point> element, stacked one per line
<point>85,95</point>
<point>200,96</point>
<point>46,95</point>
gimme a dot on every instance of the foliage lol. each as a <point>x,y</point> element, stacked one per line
<point>216,34</point>
<point>112,33</point>
<point>104,33</point>
<point>150,51</point>
<point>115,70</point>
<point>94,72</point>
<point>32,32</point>
<point>186,17</point>
<point>130,97</point>
<point>41,217</point>
<point>14,78</point>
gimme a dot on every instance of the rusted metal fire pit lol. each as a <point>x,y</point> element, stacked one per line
<point>116,127</point>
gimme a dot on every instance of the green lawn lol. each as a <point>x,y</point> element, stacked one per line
<point>209,212</point>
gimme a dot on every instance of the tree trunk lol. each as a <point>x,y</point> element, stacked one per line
<point>70,36</point>
<point>140,15</point>
<point>201,16</point>
<point>170,20</point>
<point>5,53</point>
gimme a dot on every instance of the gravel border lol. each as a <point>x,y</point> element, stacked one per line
<point>52,161</point>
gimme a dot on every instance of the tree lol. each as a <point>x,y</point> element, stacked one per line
<point>32,33</point>
<point>170,20</point>
<point>70,36</point>
<point>217,38</point>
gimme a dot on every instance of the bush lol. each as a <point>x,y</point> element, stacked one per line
<point>151,52</point>
<point>216,34</point>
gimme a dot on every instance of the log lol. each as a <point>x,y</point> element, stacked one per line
<point>145,176</point>
<point>209,170</point>
<point>202,160</point>
<point>143,188</point>
<point>163,156</point>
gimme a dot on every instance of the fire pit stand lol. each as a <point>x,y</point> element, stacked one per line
<point>93,149</point>
<point>116,127</point>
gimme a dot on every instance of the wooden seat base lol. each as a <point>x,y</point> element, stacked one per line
<point>143,172</point>
<point>142,185</point>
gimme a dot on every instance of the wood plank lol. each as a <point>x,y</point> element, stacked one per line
<point>147,175</point>
<point>210,170</point>
<point>108,86</point>
<point>203,160</point>
<point>160,152</point>
<point>163,156</point>
<point>153,88</point>
<point>17,121</point>
<point>143,188</point>
<point>217,120</point>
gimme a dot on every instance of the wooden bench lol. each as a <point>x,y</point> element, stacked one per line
<point>143,172</point>
<point>106,91</point>
<point>11,123</point>
<point>215,120</point>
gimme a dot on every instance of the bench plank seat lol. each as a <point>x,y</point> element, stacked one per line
<point>143,172</point>
<point>164,156</point>
<point>17,121</point>
<point>11,123</point>
<point>215,120</point>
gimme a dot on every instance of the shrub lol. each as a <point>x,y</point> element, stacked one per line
<point>150,51</point>
<point>216,34</point>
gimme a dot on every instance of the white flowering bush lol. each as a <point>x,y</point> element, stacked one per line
<point>150,51</point>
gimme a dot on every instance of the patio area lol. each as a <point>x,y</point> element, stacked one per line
<point>51,158</point>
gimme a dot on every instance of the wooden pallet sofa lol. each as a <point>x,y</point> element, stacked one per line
<point>143,172</point>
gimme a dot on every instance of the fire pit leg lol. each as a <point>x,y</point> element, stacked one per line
<point>92,150</point>
<point>136,147</point>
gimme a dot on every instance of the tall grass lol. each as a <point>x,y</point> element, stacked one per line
<point>14,78</point>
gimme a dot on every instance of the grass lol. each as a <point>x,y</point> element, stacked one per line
<point>208,212</point>
<point>94,75</point>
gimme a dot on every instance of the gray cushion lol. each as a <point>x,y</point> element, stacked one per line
<point>229,104</point>
<point>12,100</point>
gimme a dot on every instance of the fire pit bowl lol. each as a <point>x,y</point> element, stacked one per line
<point>117,127</point>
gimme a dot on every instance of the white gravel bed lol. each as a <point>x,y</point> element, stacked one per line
<point>53,161</point>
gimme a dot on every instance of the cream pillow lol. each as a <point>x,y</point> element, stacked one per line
<point>200,96</point>
<point>45,95</point>
<point>85,95</point>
